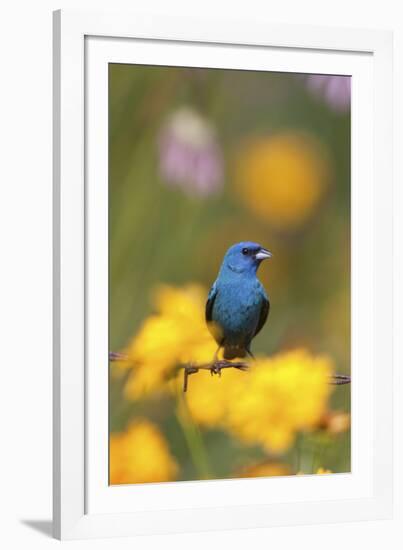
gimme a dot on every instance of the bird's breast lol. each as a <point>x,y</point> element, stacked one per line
<point>237,307</point>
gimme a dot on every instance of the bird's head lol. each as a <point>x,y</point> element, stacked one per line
<point>245,257</point>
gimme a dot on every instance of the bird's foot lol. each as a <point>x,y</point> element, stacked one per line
<point>217,366</point>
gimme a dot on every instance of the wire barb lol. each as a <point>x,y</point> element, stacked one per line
<point>214,367</point>
<point>340,379</point>
<point>117,356</point>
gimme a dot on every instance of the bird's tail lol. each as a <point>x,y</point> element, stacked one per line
<point>232,352</point>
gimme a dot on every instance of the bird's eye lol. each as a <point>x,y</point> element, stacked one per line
<point>245,251</point>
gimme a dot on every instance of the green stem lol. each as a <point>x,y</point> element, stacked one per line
<point>193,439</point>
<point>298,452</point>
<point>317,458</point>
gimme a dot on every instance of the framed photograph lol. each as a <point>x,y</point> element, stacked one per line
<point>223,274</point>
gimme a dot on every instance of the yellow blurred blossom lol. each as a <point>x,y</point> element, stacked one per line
<point>323,471</point>
<point>208,397</point>
<point>140,455</point>
<point>175,334</point>
<point>335,422</point>
<point>265,469</point>
<point>319,471</point>
<point>282,178</point>
<point>267,405</point>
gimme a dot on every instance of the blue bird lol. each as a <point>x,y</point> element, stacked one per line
<point>237,305</point>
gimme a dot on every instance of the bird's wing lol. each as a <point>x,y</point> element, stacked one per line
<point>264,313</point>
<point>210,302</point>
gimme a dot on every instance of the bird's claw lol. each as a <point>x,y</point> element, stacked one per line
<point>216,369</point>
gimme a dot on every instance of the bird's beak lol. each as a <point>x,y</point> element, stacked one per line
<point>263,254</point>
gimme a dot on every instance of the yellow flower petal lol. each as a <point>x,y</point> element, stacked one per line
<point>140,455</point>
<point>283,177</point>
<point>174,335</point>
<point>267,405</point>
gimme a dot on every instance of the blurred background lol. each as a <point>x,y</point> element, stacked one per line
<point>200,159</point>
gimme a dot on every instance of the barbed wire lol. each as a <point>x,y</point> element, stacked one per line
<point>215,368</point>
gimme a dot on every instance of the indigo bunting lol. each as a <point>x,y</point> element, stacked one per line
<point>237,305</point>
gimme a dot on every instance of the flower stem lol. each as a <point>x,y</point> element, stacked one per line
<point>193,438</point>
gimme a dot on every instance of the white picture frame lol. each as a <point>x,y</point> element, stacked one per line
<point>84,505</point>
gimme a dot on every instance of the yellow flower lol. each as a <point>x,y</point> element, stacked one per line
<point>335,422</point>
<point>140,455</point>
<point>208,397</point>
<point>319,471</point>
<point>175,334</point>
<point>323,471</point>
<point>283,177</point>
<point>265,469</point>
<point>267,405</point>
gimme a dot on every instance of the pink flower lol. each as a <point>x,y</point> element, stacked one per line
<point>335,90</point>
<point>189,154</point>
